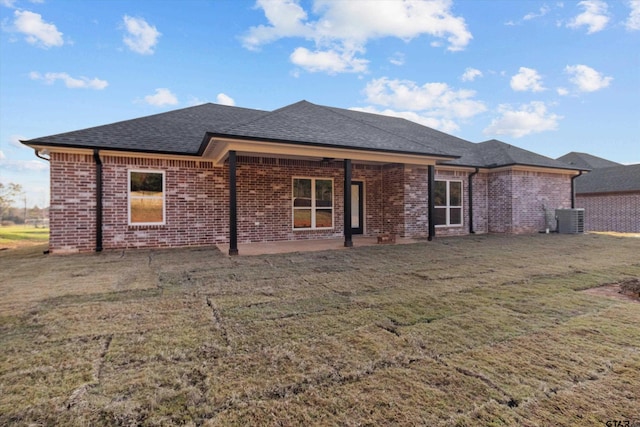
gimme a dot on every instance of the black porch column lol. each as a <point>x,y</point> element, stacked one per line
<point>233,206</point>
<point>431,202</point>
<point>347,204</point>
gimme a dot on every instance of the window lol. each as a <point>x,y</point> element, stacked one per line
<point>146,198</point>
<point>312,203</point>
<point>448,203</point>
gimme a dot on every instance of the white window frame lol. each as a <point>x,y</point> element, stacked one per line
<point>313,206</point>
<point>448,206</point>
<point>130,197</point>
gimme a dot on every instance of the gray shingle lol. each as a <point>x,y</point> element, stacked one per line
<point>610,180</point>
<point>176,132</point>
<point>304,122</point>
<point>586,161</point>
<point>494,153</point>
<point>185,132</point>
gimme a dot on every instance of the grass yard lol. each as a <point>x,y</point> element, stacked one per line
<point>22,235</point>
<point>473,331</point>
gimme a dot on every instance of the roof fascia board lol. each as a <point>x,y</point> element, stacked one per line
<point>532,168</point>
<point>116,153</point>
<point>69,148</point>
<point>609,193</point>
<point>454,168</point>
<point>224,145</point>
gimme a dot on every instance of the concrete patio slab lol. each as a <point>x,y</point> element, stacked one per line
<point>264,248</point>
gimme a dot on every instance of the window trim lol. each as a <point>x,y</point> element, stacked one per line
<point>313,206</point>
<point>448,206</point>
<point>130,197</point>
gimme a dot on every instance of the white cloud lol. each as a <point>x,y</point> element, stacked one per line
<point>562,91</point>
<point>15,141</point>
<point>37,32</point>
<point>633,22</point>
<point>595,16</point>
<point>141,37</point>
<point>8,3</point>
<point>444,125</point>
<point>529,118</point>
<point>434,104</point>
<point>70,82</point>
<point>541,12</point>
<point>586,78</point>
<point>527,79</point>
<point>2,156</point>
<point>163,96</point>
<point>470,74</point>
<point>343,28</point>
<point>329,61</point>
<point>23,165</point>
<point>225,99</point>
<point>397,59</point>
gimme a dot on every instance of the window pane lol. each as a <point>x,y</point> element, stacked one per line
<point>440,193</point>
<point>455,194</point>
<point>324,193</point>
<point>302,218</point>
<point>302,192</point>
<point>146,210</point>
<point>455,216</point>
<point>440,216</point>
<point>146,183</point>
<point>324,218</point>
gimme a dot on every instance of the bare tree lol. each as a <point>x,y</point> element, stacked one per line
<point>7,195</point>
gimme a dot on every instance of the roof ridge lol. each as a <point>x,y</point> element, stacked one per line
<point>419,142</point>
<point>262,116</point>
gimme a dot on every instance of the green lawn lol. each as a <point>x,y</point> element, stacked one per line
<point>472,331</point>
<point>16,235</point>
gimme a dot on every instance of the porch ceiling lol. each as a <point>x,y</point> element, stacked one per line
<point>218,150</point>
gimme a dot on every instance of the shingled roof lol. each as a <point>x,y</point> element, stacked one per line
<point>188,130</point>
<point>614,179</point>
<point>174,132</point>
<point>494,153</point>
<point>586,161</point>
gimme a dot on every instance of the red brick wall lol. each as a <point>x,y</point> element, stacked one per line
<point>196,204</point>
<point>197,201</point>
<point>611,212</point>
<point>393,199</point>
<point>516,199</point>
<point>73,203</point>
<point>480,203</point>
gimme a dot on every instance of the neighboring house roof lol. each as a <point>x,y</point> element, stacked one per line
<point>187,131</point>
<point>586,161</point>
<point>610,180</point>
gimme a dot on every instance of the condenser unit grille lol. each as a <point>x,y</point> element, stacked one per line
<point>570,221</point>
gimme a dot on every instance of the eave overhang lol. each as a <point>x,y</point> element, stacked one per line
<point>220,145</point>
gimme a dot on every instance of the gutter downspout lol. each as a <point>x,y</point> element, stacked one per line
<point>431,203</point>
<point>96,158</point>
<point>573,189</point>
<point>471,175</point>
<point>40,156</point>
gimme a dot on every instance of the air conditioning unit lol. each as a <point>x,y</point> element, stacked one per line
<point>570,221</point>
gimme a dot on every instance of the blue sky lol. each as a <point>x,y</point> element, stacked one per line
<point>551,77</point>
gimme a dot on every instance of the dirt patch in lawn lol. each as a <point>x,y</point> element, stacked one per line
<point>628,290</point>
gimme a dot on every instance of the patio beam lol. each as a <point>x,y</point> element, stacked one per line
<point>233,205</point>
<point>348,242</point>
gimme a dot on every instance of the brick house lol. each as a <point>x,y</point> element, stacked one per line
<point>215,174</point>
<point>609,193</point>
